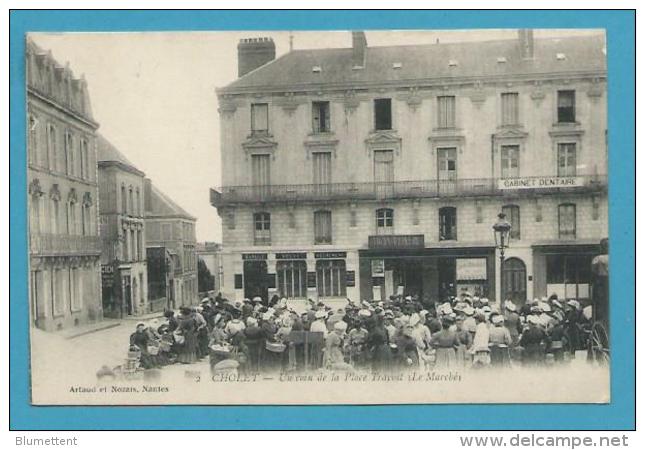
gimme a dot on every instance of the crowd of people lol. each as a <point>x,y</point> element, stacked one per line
<point>256,335</point>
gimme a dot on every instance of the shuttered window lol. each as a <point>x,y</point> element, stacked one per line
<point>322,227</point>
<point>510,108</point>
<point>567,221</point>
<point>259,118</point>
<point>446,111</point>
<point>320,117</point>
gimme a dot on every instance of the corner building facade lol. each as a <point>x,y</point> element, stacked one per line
<point>366,172</point>
<point>62,196</point>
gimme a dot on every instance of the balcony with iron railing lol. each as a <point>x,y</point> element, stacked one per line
<point>63,245</point>
<point>473,187</point>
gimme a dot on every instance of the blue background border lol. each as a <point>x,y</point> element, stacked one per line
<point>619,414</point>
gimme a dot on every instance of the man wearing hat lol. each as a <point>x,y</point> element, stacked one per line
<point>512,321</point>
<point>319,325</point>
<point>534,340</point>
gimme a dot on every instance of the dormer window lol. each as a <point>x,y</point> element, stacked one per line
<point>316,69</point>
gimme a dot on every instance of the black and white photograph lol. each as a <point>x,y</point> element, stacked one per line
<point>318,217</point>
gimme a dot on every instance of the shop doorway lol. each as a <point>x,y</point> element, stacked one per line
<point>127,295</point>
<point>256,279</point>
<point>514,280</point>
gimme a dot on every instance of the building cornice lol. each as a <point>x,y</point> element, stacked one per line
<point>122,166</point>
<point>420,83</point>
<point>89,122</point>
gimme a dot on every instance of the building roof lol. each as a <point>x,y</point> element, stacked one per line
<point>56,82</point>
<point>478,60</point>
<point>160,205</point>
<point>108,153</point>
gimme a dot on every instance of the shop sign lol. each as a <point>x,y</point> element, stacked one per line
<point>239,281</point>
<point>396,241</point>
<point>540,182</point>
<point>107,275</point>
<point>254,256</point>
<point>471,269</point>
<point>291,255</point>
<point>324,255</point>
<point>350,278</point>
<point>311,279</point>
<point>378,268</point>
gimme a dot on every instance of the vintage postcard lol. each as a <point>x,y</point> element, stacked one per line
<point>346,217</point>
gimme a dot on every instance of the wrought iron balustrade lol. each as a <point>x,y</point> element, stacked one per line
<point>57,244</point>
<point>470,187</point>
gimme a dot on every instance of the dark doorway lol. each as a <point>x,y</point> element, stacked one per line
<point>447,277</point>
<point>256,279</point>
<point>514,280</point>
<point>127,295</point>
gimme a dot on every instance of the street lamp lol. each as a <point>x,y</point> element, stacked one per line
<point>502,232</point>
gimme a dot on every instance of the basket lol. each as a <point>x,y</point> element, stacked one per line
<point>220,350</point>
<point>275,347</point>
<point>153,350</point>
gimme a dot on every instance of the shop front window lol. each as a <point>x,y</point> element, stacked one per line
<point>292,278</point>
<point>568,276</point>
<point>330,278</point>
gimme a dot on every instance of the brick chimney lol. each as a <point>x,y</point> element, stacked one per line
<point>527,45</point>
<point>253,53</point>
<point>359,48</point>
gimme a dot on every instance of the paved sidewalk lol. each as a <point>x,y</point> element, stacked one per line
<point>83,330</point>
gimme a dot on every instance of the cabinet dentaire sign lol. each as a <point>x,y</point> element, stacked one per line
<point>540,182</point>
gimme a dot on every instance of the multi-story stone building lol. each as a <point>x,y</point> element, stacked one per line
<point>170,245</point>
<point>368,171</point>
<point>64,246</point>
<point>123,259</point>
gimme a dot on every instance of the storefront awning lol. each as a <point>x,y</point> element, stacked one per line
<point>448,249</point>
<point>577,246</point>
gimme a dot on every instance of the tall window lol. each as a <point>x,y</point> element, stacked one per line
<point>383,114</point>
<point>447,163</point>
<point>446,111</point>
<point>56,294</point>
<point>567,221</point>
<point>138,204</point>
<point>124,201</point>
<point>55,215</point>
<point>566,106</point>
<point>69,154</point>
<point>126,245</point>
<point>50,153</point>
<point>322,227</point>
<point>71,218</point>
<point>259,118</point>
<point>262,228</point>
<point>133,246</point>
<point>322,167</point>
<point>85,165</point>
<point>33,139</point>
<point>320,117</point>
<point>131,201</point>
<point>510,161</point>
<point>85,217</point>
<point>567,159</point>
<point>448,223</point>
<point>510,108</point>
<point>76,289</point>
<point>331,278</point>
<point>34,214</point>
<point>384,220</point>
<point>513,216</point>
<point>292,278</point>
<point>261,173</point>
